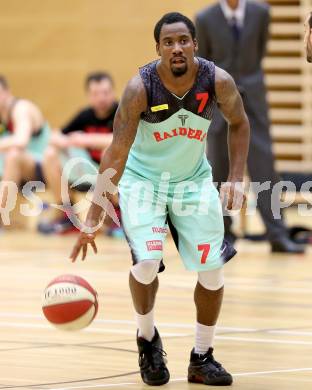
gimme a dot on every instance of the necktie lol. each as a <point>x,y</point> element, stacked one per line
<point>235,28</point>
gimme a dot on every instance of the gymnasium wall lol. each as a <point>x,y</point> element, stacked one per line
<point>48,46</point>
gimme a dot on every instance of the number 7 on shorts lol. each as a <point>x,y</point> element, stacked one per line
<point>205,248</point>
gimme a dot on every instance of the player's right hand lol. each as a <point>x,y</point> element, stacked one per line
<point>232,195</point>
<point>82,244</point>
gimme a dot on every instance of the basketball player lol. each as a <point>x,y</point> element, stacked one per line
<point>308,37</point>
<point>24,136</point>
<point>161,126</point>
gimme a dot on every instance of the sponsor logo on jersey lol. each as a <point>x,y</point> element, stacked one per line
<point>154,245</point>
<point>183,118</point>
<point>161,107</point>
<point>198,135</point>
<point>157,229</point>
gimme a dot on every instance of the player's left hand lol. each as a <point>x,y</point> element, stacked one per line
<point>82,244</point>
<point>232,195</point>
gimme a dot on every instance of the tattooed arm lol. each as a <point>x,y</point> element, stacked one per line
<point>132,104</point>
<point>231,106</point>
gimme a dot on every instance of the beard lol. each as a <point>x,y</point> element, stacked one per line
<point>178,72</point>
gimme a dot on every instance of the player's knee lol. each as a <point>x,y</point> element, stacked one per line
<point>13,155</point>
<point>145,271</point>
<point>50,154</point>
<point>211,280</point>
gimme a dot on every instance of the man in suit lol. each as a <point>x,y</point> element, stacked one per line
<point>233,34</point>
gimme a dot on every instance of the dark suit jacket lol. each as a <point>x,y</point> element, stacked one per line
<point>243,59</point>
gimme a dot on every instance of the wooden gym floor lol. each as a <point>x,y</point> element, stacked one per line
<point>264,336</point>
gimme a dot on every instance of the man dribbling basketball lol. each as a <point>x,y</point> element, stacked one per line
<point>158,153</point>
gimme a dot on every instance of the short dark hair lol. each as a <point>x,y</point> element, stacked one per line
<point>310,20</point>
<point>174,17</point>
<point>3,82</point>
<point>97,77</point>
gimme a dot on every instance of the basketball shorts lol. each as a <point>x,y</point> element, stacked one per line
<point>192,210</point>
<point>79,168</point>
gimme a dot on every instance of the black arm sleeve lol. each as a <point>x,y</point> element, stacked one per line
<point>76,124</point>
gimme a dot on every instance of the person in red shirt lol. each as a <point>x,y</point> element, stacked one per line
<point>85,137</point>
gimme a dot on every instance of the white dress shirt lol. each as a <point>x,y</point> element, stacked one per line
<point>238,13</point>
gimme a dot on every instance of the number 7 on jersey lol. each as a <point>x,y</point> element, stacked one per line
<point>203,98</point>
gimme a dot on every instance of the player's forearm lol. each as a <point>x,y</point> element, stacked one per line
<point>12,141</point>
<point>95,141</point>
<point>110,171</point>
<point>238,142</point>
<point>99,141</point>
<point>114,158</point>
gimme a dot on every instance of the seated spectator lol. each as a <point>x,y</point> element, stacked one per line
<point>86,136</point>
<point>24,135</point>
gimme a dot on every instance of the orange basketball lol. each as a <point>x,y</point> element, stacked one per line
<point>69,302</point>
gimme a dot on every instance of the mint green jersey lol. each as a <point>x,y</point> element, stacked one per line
<point>172,133</point>
<point>171,138</point>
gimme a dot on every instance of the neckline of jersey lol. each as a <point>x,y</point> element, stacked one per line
<point>187,92</point>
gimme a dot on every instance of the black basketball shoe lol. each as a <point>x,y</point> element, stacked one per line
<point>151,361</point>
<point>204,369</point>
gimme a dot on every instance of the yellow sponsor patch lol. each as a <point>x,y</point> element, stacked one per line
<point>160,108</point>
<point>2,128</point>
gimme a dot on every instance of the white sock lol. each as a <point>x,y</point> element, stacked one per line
<point>204,336</point>
<point>146,326</point>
